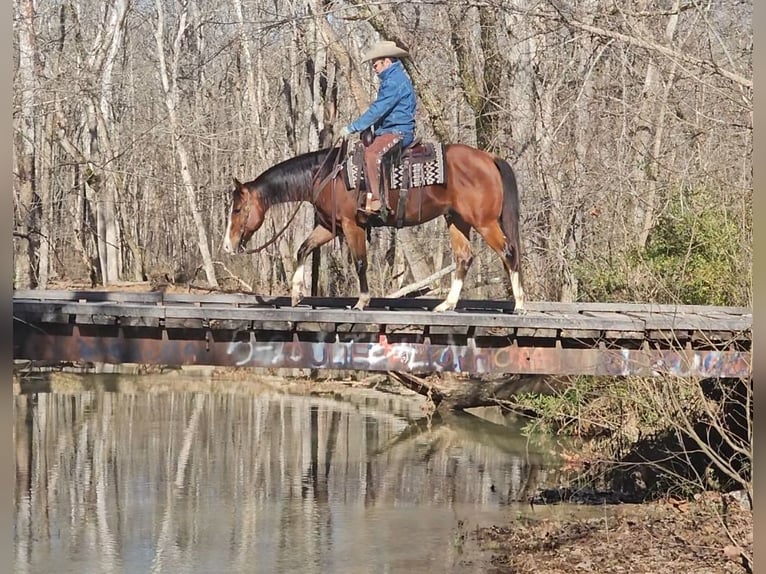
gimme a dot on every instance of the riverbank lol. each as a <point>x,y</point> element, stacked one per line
<point>666,537</point>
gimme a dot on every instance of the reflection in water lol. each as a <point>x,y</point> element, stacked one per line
<point>254,482</point>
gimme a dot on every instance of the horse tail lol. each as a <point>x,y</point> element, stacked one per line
<point>509,216</point>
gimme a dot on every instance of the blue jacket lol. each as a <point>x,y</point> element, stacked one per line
<point>393,111</point>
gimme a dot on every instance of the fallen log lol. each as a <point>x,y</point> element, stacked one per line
<point>457,393</point>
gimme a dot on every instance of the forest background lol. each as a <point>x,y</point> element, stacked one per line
<point>629,125</point>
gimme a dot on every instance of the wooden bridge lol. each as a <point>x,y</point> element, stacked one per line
<point>402,335</point>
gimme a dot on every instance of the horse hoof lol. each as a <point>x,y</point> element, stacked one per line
<point>519,311</point>
<point>362,302</point>
<point>444,306</point>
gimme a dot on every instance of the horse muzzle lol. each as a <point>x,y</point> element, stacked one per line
<point>234,247</point>
<point>231,247</point>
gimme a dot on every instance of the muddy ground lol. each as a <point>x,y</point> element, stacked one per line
<point>706,536</point>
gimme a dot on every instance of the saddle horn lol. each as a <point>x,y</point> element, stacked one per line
<point>367,137</point>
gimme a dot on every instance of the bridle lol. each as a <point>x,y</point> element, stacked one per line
<point>247,211</point>
<point>336,167</point>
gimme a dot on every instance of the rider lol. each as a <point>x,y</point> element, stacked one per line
<point>392,114</point>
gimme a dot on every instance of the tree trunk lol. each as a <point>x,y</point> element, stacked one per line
<point>558,215</point>
<point>648,139</point>
<point>99,147</point>
<point>169,79</point>
<point>253,97</point>
<point>26,241</point>
<point>456,393</point>
<point>110,206</point>
<point>46,202</point>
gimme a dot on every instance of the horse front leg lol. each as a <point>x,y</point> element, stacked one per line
<point>459,232</point>
<point>318,237</point>
<point>357,244</point>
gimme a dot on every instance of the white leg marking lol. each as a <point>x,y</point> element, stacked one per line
<point>452,297</point>
<point>298,284</point>
<point>518,292</point>
<point>364,300</point>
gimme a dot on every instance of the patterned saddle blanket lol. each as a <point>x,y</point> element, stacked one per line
<point>417,166</point>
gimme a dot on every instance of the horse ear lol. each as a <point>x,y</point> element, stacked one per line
<point>237,183</point>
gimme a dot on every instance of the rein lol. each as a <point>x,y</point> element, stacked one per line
<point>336,167</point>
<point>276,236</point>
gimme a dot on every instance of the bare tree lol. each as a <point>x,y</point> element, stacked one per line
<point>26,237</point>
<point>169,78</point>
<point>130,119</point>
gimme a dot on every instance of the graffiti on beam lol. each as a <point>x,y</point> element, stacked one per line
<point>701,363</point>
<point>374,356</point>
<point>452,356</point>
<point>249,348</point>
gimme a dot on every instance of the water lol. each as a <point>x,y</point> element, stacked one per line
<point>254,480</point>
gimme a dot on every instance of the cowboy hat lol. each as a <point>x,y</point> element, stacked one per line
<point>385,49</point>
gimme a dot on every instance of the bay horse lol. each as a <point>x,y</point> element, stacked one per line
<point>480,192</point>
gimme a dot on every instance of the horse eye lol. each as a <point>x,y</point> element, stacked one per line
<point>236,210</point>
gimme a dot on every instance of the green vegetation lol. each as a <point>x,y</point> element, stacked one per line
<point>665,436</point>
<point>698,253</point>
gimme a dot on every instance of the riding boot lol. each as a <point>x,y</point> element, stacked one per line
<point>372,201</point>
<point>373,159</point>
<point>372,197</point>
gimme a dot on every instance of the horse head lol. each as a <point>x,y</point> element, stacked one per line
<point>245,218</point>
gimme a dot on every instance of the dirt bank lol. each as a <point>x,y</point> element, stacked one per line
<point>670,537</point>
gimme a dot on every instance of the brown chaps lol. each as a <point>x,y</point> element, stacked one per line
<point>373,159</point>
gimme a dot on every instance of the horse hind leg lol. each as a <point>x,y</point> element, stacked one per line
<point>318,237</point>
<point>518,290</point>
<point>493,235</point>
<point>459,232</point>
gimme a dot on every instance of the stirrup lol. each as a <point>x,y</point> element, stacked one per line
<point>371,208</point>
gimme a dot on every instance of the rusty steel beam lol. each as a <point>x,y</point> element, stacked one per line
<point>370,352</point>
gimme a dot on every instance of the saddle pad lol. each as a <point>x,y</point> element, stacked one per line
<point>425,167</point>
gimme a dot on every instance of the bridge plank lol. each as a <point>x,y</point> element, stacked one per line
<point>614,321</point>
<point>215,299</point>
<point>633,321</point>
<point>634,307</point>
<point>688,321</point>
<point>88,296</point>
<point>382,302</point>
<point>561,321</point>
<point>497,306</point>
<point>30,308</point>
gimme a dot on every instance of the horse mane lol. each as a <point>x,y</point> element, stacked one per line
<point>292,179</point>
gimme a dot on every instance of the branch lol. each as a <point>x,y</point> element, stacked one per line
<point>420,386</point>
<point>422,283</point>
<point>664,50</point>
<point>232,276</point>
